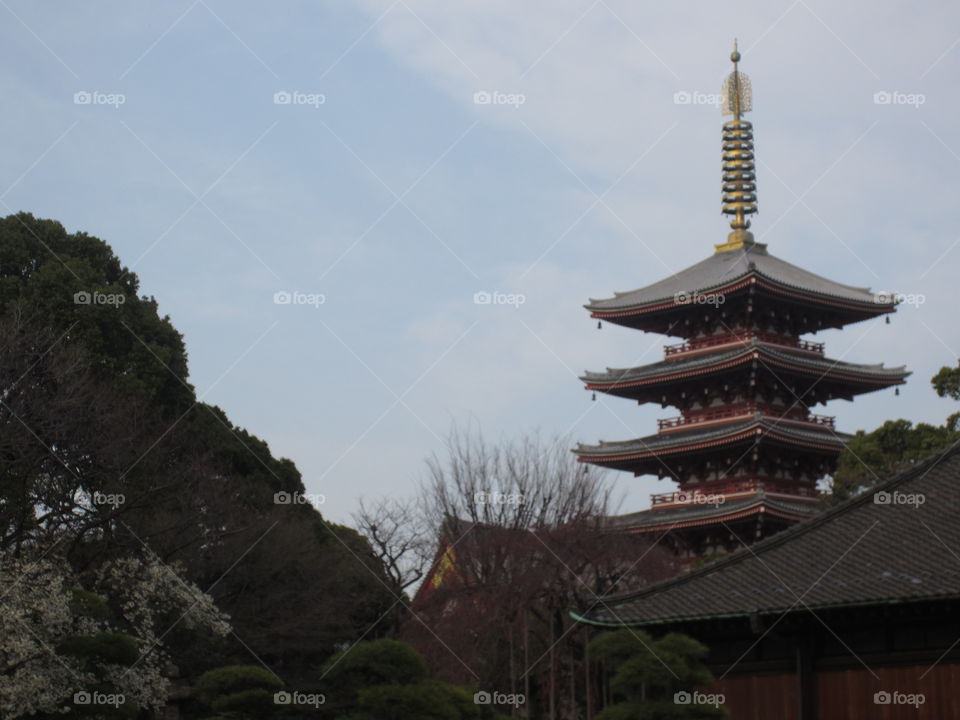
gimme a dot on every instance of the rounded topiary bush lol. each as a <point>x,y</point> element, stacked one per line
<point>239,690</point>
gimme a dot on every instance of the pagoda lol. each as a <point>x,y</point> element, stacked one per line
<point>745,450</point>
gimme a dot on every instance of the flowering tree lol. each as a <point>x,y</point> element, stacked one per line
<point>63,647</point>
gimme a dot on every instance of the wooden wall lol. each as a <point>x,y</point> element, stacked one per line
<point>846,694</point>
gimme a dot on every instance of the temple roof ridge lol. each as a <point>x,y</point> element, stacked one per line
<point>723,269</point>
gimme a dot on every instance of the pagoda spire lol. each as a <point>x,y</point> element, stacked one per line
<point>739,177</point>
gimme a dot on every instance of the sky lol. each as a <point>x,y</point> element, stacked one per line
<point>322,195</point>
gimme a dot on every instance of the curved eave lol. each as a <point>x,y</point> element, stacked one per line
<point>792,610</point>
<point>845,373</point>
<point>586,453</point>
<point>759,508</point>
<point>870,308</point>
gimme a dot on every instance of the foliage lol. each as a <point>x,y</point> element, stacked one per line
<point>379,662</point>
<point>647,674</point>
<point>239,691</point>
<point>97,405</point>
<point>946,382</point>
<point>387,680</point>
<point>61,645</point>
<point>873,456</point>
<point>424,700</point>
<point>44,270</point>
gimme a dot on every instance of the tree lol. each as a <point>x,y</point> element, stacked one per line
<point>242,692</point>
<point>396,531</point>
<point>65,648</point>
<point>96,404</point>
<point>524,538</point>
<point>872,456</point>
<point>401,544</point>
<point>654,679</point>
<point>77,287</point>
<point>946,382</point>
<point>387,680</point>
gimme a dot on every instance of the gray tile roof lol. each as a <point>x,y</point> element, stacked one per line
<point>696,362</point>
<point>859,553</point>
<point>723,268</point>
<point>682,514</point>
<point>681,438</point>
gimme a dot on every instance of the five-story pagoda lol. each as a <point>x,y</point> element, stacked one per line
<point>745,450</point>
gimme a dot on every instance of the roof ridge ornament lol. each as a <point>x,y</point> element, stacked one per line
<point>739,176</point>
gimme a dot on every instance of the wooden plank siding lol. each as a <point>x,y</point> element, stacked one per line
<point>845,694</point>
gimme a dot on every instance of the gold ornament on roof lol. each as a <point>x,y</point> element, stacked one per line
<point>739,172</point>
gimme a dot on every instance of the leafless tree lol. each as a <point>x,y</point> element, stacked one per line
<point>524,539</point>
<point>399,538</point>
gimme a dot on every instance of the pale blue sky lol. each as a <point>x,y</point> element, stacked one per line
<point>398,197</point>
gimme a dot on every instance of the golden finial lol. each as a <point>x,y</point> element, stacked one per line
<point>739,177</point>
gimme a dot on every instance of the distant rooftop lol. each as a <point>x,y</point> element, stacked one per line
<point>863,552</point>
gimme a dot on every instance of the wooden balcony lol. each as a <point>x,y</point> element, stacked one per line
<point>727,414</point>
<point>720,494</point>
<point>713,342</point>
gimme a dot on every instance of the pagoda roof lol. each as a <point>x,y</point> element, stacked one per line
<point>785,431</point>
<point>694,514</point>
<point>863,552</point>
<point>712,361</point>
<point>724,269</point>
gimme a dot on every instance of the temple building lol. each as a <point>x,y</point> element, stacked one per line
<point>854,615</point>
<point>745,450</point>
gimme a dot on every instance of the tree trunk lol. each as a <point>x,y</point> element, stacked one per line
<point>553,672</point>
